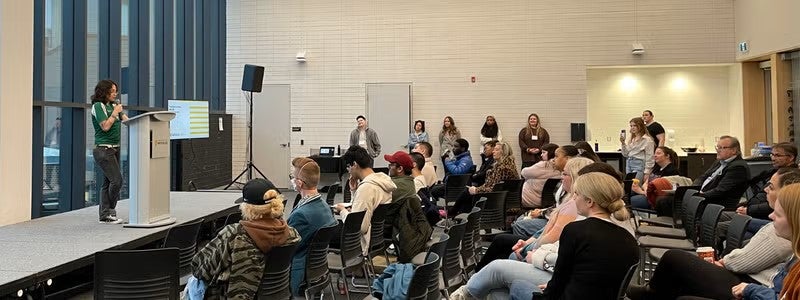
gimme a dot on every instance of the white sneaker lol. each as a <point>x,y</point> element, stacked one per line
<point>461,294</point>
<point>111,220</point>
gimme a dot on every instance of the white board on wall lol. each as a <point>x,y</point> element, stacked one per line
<point>389,114</point>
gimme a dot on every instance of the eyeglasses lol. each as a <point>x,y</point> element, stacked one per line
<point>718,147</point>
<point>779,155</point>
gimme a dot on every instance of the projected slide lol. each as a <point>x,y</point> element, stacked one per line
<point>191,120</point>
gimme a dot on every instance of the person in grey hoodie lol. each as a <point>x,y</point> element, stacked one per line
<point>369,189</point>
<point>365,137</point>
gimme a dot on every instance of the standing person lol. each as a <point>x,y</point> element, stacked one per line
<point>448,135</point>
<point>418,135</point>
<point>655,130</point>
<point>490,131</point>
<point>639,150</point>
<point>106,120</point>
<point>531,139</point>
<point>310,214</point>
<point>53,137</point>
<point>365,137</point>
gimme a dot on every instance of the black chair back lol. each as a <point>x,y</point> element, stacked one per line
<point>494,214</point>
<point>184,237</point>
<point>692,211</point>
<point>317,274</point>
<point>378,223</point>
<point>425,280</point>
<point>513,187</point>
<point>736,232</point>
<point>708,225</point>
<point>627,188</point>
<point>233,218</point>
<point>454,185</point>
<point>439,246</point>
<point>630,176</point>
<point>476,232</point>
<point>682,194</point>
<point>549,192</point>
<point>623,286</point>
<point>350,239</point>
<point>468,241</point>
<point>331,195</point>
<point>451,265</point>
<point>277,273</point>
<point>136,274</point>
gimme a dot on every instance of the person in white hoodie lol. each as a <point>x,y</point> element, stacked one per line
<point>369,189</point>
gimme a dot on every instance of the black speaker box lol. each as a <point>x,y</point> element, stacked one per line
<point>578,131</point>
<point>252,79</point>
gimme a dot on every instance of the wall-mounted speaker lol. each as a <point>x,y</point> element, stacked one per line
<point>253,78</point>
<point>578,131</point>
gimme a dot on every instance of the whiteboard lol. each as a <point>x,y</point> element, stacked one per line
<point>389,114</point>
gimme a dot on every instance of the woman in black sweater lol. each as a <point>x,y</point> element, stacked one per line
<point>595,254</point>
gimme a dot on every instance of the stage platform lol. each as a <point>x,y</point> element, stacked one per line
<point>34,251</point>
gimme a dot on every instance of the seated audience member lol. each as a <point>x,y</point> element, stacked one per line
<point>783,155</point>
<point>487,161</point>
<point>429,207</point>
<point>310,214</point>
<point>232,264</point>
<point>756,262</point>
<point>536,175</point>
<point>666,164</point>
<point>726,180</point>
<point>586,151</point>
<point>532,222</point>
<point>459,165</point>
<point>369,189</point>
<point>428,170</point>
<point>515,246</point>
<point>490,131</point>
<point>504,168</point>
<point>405,214</point>
<point>593,257</point>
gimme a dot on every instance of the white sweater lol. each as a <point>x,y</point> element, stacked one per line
<point>761,257</point>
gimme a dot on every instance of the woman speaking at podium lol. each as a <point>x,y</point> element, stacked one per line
<point>106,119</point>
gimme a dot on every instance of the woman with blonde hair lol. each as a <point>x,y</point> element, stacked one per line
<point>448,135</point>
<point>231,265</point>
<point>531,139</point>
<point>638,150</point>
<point>504,168</point>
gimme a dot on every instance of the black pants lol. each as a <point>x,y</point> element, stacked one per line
<point>463,204</point>
<point>499,249</point>
<point>681,273</point>
<point>107,158</point>
<point>437,191</point>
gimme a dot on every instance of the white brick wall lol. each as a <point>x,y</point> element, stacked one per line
<point>528,56</point>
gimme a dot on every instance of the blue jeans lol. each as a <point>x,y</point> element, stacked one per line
<point>504,276</point>
<point>528,227</point>
<point>640,201</point>
<point>635,165</point>
<point>108,160</point>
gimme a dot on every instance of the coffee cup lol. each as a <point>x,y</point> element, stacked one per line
<point>706,253</point>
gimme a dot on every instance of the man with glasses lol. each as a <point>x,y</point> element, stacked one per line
<point>726,180</point>
<point>369,189</point>
<point>405,215</point>
<point>783,155</point>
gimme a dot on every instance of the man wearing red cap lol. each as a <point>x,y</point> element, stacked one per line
<point>405,214</point>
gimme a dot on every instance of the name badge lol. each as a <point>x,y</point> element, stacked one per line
<point>535,138</point>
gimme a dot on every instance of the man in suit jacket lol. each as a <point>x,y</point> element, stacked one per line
<point>726,180</point>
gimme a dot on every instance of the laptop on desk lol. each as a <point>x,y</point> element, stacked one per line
<point>326,151</point>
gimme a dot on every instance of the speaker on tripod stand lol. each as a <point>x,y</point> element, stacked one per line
<point>251,82</point>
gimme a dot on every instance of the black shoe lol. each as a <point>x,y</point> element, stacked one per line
<point>637,292</point>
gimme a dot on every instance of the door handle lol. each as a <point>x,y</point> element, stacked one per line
<point>284,145</point>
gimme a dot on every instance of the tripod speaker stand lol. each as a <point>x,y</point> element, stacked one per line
<point>253,77</point>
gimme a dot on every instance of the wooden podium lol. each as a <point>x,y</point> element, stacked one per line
<point>149,170</point>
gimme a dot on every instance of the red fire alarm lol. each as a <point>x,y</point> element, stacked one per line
<point>473,78</point>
